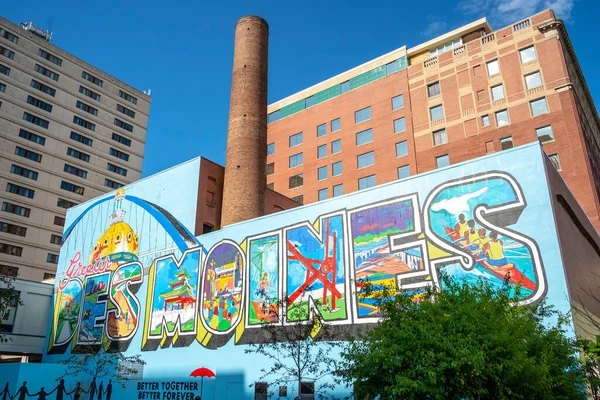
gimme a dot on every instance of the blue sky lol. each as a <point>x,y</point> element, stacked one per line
<point>183,50</point>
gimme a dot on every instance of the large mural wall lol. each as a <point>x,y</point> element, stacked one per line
<point>132,277</point>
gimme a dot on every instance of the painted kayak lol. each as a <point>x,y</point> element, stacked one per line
<point>503,272</point>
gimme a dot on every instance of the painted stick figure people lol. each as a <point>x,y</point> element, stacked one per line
<point>60,390</point>
<point>109,389</point>
<point>100,390</point>
<point>22,392</point>
<point>92,389</point>
<point>77,391</point>
<point>41,394</point>
<point>6,392</point>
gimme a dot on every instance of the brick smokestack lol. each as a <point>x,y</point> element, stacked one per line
<point>245,176</point>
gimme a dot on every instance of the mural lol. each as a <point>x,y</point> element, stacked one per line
<point>132,277</point>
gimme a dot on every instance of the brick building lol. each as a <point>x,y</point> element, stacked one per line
<point>459,96</point>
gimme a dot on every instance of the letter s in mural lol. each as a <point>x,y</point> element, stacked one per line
<point>469,228</point>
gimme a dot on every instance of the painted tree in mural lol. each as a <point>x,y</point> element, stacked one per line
<point>470,343</point>
<point>9,299</point>
<point>100,371</point>
<point>301,355</point>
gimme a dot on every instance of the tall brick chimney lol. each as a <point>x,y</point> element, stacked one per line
<point>245,176</point>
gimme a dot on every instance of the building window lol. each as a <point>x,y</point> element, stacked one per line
<point>126,111</point>
<point>397,102</point>
<point>296,139</point>
<point>2,87</point>
<point>321,130</point>
<point>364,137</point>
<point>274,116</point>
<point>322,173</point>
<point>270,168</point>
<point>28,154</point>
<point>127,97</point>
<point>298,199</point>
<point>322,151</point>
<point>442,161</point>
<point>55,239</point>
<point>403,171</point>
<point>270,149</point>
<point>22,171</point>
<point>119,154</point>
<point>71,187</point>
<point>82,122</point>
<point>338,190</point>
<point>362,115</point>
<point>545,134</point>
<point>440,137</point>
<point>13,229</point>
<point>46,72</point>
<point>112,184</point>
<point>296,181</point>
<point>497,92</point>
<point>211,189</point>
<point>9,271</point>
<point>506,143</point>
<point>123,125</point>
<point>366,160</point>
<point>296,160</point>
<point>336,168</point>
<point>392,67</point>
<point>502,118</point>
<point>527,54</point>
<point>32,137</point>
<point>89,93</point>
<point>81,139</point>
<point>399,125</point>
<point>336,125</point>
<point>43,88</point>
<point>493,67</point>
<point>533,80</point>
<point>20,190</point>
<point>436,113</point>
<point>78,154</point>
<point>9,36</point>
<point>336,146</point>
<point>48,278</point>
<point>485,120</point>
<point>7,53</point>
<point>207,228</point>
<point>433,89</point>
<point>445,47</point>
<point>309,102</point>
<point>116,169</point>
<point>52,258</point>
<point>15,209</point>
<point>11,250</point>
<point>52,58</point>
<point>62,203</point>
<point>75,171</point>
<point>490,147</point>
<point>344,87</point>
<point>402,149</point>
<point>91,78</point>
<point>538,107</point>
<point>271,186</point>
<point>86,108</point>
<point>366,182</point>
<point>4,70</point>
<point>36,120</point>
<point>555,161</point>
<point>39,104</point>
<point>323,194</point>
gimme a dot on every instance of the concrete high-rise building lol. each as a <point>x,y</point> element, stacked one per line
<point>459,96</point>
<point>68,133</point>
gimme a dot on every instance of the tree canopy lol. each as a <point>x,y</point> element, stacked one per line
<point>467,341</point>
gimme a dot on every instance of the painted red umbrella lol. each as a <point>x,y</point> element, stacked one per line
<point>203,373</point>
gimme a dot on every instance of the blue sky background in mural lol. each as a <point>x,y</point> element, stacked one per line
<point>444,214</point>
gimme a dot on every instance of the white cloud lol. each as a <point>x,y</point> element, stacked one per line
<point>434,28</point>
<point>505,12</point>
<point>458,204</point>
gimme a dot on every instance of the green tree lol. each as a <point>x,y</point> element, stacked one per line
<point>9,298</point>
<point>467,341</point>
